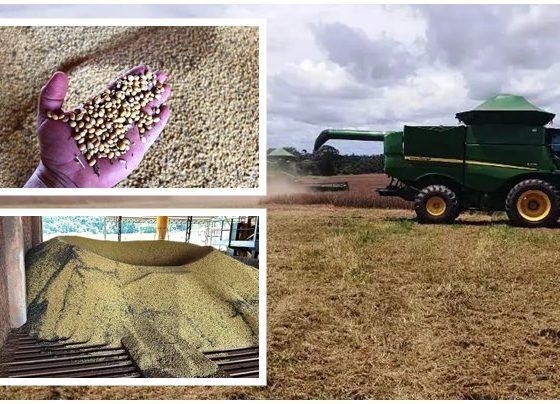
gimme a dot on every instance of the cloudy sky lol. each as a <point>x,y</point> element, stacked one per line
<point>380,67</point>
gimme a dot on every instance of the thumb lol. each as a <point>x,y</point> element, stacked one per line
<point>52,94</point>
<point>56,145</point>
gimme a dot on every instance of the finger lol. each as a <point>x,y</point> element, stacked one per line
<point>164,96</point>
<point>140,69</point>
<point>51,97</point>
<point>161,76</point>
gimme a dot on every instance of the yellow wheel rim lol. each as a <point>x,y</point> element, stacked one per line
<point>435,205</point>
<point>534,205</point>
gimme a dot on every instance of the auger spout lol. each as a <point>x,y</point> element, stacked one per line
<point>348,134</point>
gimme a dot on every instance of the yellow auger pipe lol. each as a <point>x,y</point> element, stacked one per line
<point>161,227</point>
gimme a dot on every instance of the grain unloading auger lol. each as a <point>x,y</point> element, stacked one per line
<point>347,134</point>
<point>501,158</point>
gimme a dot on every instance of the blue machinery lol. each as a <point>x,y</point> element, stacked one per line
<point>244,237</point>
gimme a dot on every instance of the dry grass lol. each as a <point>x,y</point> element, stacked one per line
<point>352,199</point>
<point>360,182</point>
<point>366,303</point>
<point>361,193</point>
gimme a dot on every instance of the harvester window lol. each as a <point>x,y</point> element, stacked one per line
<point>555,143</point>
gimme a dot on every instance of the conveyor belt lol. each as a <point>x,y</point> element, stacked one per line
<point>238,362</point>
<point>25,356</point>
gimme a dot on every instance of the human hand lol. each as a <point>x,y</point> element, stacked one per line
<point>62,163</point>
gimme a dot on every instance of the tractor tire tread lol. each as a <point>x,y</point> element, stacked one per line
<point>525,185</point>
<point>433,190</point>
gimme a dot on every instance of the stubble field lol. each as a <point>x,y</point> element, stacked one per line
<point>365,303</point>
<point>361,192</point>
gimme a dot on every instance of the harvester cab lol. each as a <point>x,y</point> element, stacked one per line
<point>501,157</point>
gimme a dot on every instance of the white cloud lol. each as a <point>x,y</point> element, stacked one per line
<point>319,78</point>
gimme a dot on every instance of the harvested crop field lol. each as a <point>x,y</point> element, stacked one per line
<point>356,182</point>
<point>369,304</point>
<point>361,192</point>
<point>166,302</point>
<point>211,139</point>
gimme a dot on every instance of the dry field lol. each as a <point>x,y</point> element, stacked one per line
<point>361,193</point>
<point>360,182</point>
<point>365,303</point>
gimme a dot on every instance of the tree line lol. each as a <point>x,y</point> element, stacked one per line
<point>96,225</point>
<point>326,161</point>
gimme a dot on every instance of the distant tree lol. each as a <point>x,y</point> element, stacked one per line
<point>72,224</point>
<point>325,158</point>
<point>129,227</point>
<point>308,167</point>
<point>327,161</point>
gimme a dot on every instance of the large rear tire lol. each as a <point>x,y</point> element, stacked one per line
<point>436,204</point>
<point>533,203</point>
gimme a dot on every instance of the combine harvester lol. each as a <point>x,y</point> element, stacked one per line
<point>281,161</point>
<point>501,158</point>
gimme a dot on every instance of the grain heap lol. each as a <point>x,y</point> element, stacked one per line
<point>211,139</point>
<point>166,305</point>
<point>102,123</point>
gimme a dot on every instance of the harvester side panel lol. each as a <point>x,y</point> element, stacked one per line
<point>489,166</point>
<point>438,142</point>
<point>428,152</point>
<point>418,173</point>
<point>506,134</point>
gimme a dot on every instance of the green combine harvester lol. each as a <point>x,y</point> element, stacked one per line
<point>503,157</point>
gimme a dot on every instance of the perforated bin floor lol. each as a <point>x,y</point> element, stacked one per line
<point>25,356</point>
<point>242,362</point>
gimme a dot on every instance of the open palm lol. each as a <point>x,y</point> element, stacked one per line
<point>62,163</point>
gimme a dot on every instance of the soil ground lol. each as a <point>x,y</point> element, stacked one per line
<point>365,303</point>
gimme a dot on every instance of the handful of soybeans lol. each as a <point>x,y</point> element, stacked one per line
<point>101,124</point>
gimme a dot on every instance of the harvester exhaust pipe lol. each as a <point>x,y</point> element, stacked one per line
<point>347,134</point>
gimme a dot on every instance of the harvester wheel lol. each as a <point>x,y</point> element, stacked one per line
<point>533,203</point>
<point>436,204</point>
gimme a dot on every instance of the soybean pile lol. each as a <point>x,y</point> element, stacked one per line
<point>211,139</point>
<point>166,302</point>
